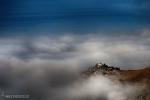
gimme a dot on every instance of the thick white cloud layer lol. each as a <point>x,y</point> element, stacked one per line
<point>103,88</point>
<point>50,67</point>
<point>81,50</point>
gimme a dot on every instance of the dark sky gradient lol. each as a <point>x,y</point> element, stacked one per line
<point>30,17</point>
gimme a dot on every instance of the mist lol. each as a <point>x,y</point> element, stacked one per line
<point>41,80</point>
<point>80,50</point>
<point>49,68</point>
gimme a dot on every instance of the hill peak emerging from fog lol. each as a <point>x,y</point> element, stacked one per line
<point>139,77</point>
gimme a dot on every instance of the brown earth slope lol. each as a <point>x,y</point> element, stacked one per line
<point>140,76</point>
<point>135,75</point>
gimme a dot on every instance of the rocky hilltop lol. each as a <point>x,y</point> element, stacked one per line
<point>140,77</point>
<point>103,69</point>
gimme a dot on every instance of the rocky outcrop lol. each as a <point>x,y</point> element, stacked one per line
<point>100,68</point>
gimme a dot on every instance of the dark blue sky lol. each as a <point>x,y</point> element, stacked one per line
<point>27,17</point>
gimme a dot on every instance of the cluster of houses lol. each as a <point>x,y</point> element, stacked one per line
<point>99,67</point>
